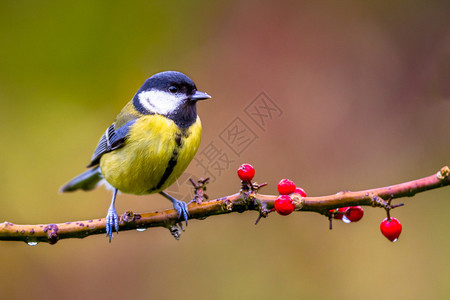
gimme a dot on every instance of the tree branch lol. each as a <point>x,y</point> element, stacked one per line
<point>247,199</point>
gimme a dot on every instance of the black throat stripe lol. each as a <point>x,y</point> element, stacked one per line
<point>172,162</point>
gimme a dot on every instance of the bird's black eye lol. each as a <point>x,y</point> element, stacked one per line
<point>173,89</point>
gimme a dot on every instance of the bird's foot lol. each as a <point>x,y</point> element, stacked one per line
<point>182,210</point>
<point>111,219</point>
<point>180,206</point>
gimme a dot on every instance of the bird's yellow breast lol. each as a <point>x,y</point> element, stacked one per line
<point>155,154</point>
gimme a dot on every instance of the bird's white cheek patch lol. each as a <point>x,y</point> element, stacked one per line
<point>159,102</point>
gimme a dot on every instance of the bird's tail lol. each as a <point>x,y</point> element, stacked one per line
<point>85,181</point>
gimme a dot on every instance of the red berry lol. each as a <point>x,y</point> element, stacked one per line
<point>284,205</point>
<point>300,191</point>
<point>353,214</point>
<point>338,212</point>
<point>286,187</point>
<point>391,229</point>
<point>246,172</point>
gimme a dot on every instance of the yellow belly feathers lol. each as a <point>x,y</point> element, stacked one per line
<point>154,144</point>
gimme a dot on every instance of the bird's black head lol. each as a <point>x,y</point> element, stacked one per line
<point>171,94</point>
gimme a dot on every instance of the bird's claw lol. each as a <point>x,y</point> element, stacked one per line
<point>182,210</point>
<point>111,219</point>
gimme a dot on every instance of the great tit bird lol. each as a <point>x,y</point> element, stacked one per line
<point>149,145</point>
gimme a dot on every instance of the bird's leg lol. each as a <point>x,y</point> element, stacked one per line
<point>179,206</point>
<point>112,218</point>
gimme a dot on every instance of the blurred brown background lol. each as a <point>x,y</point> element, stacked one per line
<point>363,94</point>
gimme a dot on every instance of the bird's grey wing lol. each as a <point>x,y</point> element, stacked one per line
<point>112,139</point>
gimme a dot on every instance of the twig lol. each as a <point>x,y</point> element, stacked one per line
<point>247,199</point>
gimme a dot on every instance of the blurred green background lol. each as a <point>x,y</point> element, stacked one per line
<point>364,93</point>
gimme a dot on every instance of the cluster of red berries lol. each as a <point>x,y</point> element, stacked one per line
<point>283,204</point>
<point>286,187</point>
<point>348,214</point>
<point>390,227</point>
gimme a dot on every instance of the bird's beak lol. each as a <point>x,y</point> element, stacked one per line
<point>199,96</point>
